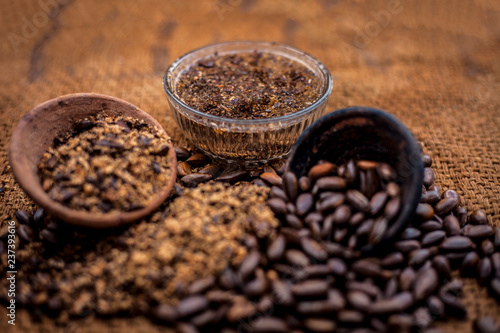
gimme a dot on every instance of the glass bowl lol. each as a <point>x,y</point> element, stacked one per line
<point>249,140</point>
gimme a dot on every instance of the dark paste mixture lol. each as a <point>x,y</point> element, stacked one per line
<point>254,85</point>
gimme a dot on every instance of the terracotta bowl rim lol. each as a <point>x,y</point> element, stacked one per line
<point>77,217</point>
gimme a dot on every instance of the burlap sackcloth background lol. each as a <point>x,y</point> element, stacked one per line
<point>434,64</point>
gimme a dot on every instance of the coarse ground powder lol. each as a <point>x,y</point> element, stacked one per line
<point>126,272</point>
<point>107,164</point>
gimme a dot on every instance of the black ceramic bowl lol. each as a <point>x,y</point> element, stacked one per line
<point>364,133</point>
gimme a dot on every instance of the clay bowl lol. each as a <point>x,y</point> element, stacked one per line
<point>364,133</point>
<point>35,133</point>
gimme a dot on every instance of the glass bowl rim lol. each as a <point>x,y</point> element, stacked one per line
<point>327,81</point>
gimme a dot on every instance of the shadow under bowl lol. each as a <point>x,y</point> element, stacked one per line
<point>369,134</point>
<point>35,134</point>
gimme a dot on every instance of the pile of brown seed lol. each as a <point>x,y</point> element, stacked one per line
<point>353,204</point>
<point>106,164</point>
<point>152,262</point>
<point>303,282</point>
<point>289,279</point>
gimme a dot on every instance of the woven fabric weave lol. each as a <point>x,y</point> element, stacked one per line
<point>432,64</point>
